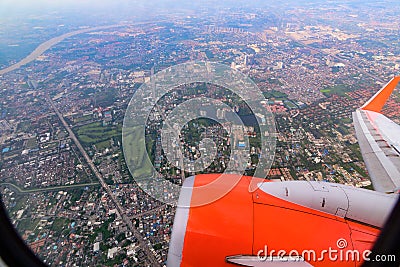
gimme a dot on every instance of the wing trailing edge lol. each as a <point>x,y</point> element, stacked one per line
<point>379,140</point>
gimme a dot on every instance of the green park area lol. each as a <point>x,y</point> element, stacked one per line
<point>82,118</point>
<point>27,224</point>
<point>97,134</point>
<point>289,104</point>
<point>276,95</point>
<point>135,152</point>
<point>339,89</point>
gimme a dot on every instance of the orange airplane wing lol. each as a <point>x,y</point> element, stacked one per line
<point>277,219</point>
<point>377,102</point>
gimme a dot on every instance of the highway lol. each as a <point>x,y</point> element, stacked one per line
<point>142,243</point>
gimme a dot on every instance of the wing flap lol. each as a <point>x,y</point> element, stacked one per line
<point>379,140</point>
<point>255,261</point>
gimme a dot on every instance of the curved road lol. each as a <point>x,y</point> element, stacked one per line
<point>45,189</point>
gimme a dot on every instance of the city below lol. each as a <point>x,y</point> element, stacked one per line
<point>64,178</point>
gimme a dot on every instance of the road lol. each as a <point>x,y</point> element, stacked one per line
<point>142,243</point>
<point>149,211</point>
<point>50,188</point>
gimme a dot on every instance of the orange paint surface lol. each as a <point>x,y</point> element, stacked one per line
<point>377,102</point>
<point>243,223</point>
<point>219,229</point>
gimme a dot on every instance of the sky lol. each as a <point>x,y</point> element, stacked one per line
<point>18,8</point>
<point>138,8</point>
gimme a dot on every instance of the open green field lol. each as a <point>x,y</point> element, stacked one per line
<point>24,126</point>
<point>103,145</point>
<point>275,95</point>
<point>95,132</point>
<point>60,223</point>
<point>290,104</point>
<point>82,119</point>
<point>135,152</point>
<point>339,89</point>
<point>27,224</point>
<point>31,143</point>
